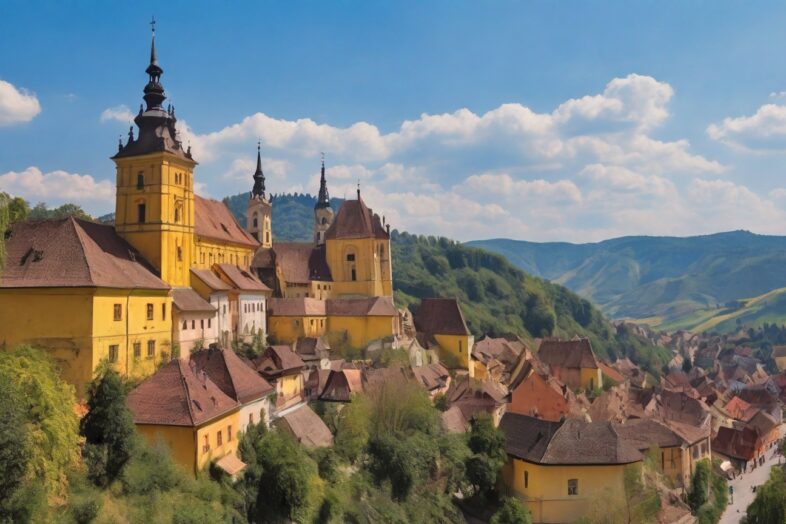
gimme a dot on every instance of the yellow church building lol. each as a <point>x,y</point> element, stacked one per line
<point>90,292</point>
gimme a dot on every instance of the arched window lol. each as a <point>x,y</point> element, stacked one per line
<point>255,221</point>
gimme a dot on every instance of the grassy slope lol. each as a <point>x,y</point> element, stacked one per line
<point>496,297</point>
<point>670,278</point>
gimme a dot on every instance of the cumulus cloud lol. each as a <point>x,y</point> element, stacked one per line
<point>17,105</point>
<point>119,113</point>
<point>763,131</point>
<point>57,187</point>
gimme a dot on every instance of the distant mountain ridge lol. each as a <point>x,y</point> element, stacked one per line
<point>661,279</point>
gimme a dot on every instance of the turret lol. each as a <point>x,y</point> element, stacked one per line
<point>259,213</point>
<point>323,213</point>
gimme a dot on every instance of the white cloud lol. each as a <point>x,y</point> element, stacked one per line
<point>764,131</point>
<point>17,105</point>
<point>119,113</point>
<point>57,187</point>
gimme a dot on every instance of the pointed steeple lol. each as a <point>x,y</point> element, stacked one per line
<point>323,200</point>
<point>154,91</point>
<point>259,177</point>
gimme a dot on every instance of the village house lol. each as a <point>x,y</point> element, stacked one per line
<point>281,366</point>
<point>306,427</point>
<point>434,377</point>
<point>314,352</point>
<point>542,396</point>
<point>239,381</point>
<point>440,324</point>
<point>194,321</point>
<point>495,358</point>
<point>558,469</point>
<point>341,385</point>
<point>216,292</point>
<point>572,362</point>
<point>188,412</point>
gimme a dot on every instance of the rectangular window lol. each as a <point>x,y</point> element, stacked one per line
<point>151,348</point>
<point>185,325</point>
<point>113,353</point>
<point>351,257</point>
<point>140,180</point>
<point>229,433</point>
<point>573,487</point>
<point>208,323</point>
<point>150,311</point>
<point>193,324</point>
<point>140,213</point>
<point>219,438</point>
<point>354,275</point>
<point>118,312</point>
<point>205,444</point>
<point>250,419</point>
<point>526,479</point>
<point>163,311</point>
<point>225,309</point>
<point>202,324</point>
<point>137,349</point>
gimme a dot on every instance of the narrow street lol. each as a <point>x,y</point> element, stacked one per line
<point>743,493</point>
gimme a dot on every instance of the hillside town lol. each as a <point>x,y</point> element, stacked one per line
<point>220,329</point>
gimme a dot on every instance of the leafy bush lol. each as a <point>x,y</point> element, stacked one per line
<point>511,511</point>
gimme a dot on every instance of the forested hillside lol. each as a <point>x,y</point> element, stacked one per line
<point>496,297</point>
<point>663,279</point>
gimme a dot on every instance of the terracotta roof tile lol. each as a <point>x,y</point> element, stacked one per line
<point>440,316</point>
<point>355,220</point>
<point>214,220</point>
<point>210,279</point>
<point>361,307</point>
<point>341,385</point>
<point>571,354</point>
<point>242,279</point>
<point>299,262</point>
<point>71,252</point>
<point>177,395</point>
<point>278,360</point>
<point>453,420</point>
<point>432,376</point>
<point>186,299</point>
<point>736,443</point>
<point>306,427</point>
<point>231,374</point>
<point>296,307</point>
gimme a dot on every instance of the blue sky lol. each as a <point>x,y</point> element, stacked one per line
<point>535,120</point>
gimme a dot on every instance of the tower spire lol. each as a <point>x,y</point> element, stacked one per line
<point>154,91</point>
<point>258,190</point>
<point>323,200</point>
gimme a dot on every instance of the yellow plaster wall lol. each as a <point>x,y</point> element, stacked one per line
<point>181,441</point>
<point>781,363</point>
<point>289,386</point>
<point>591,378</point>
<point>208,252</point>
<point>211,429</point>
<point>362,330</point>
<point>458,347</point>
<point>287,329</point>
<point>547,496</point>
<point>373,273</point>
<point>59,320</point>
<point>159,238</point>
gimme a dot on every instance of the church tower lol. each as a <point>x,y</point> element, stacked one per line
<point>154,207</point>
<point>323,213</point>
<point>259,212</point>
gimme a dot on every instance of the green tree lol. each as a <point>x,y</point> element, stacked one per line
<point>769,506</point>
<point>108,427</point>
<point>511,511</point>
<point>352,428</point>
<point>48,404</point>
<point>14,443</point>
<point>487,444</point>
<point>699,489</point>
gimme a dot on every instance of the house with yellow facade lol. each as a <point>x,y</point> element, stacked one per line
<point>284,369</point>
<point>439,323</point>
<point>573,362</point>
<point>559,469</point>
<point>183,408</point>
<point>90,292</point>
<point>82,292</point>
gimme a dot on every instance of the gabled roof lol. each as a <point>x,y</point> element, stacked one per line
<point>296,307</point>
<point>341,385</point>
<point>178,395</point>
<point>361,307</point>
<point>355,220</point>
<point>306,427</point>
<point>210,279</point>
<point>231,374</point>
<point>440,316</point>
<point>736,443</point>
<point>432,376</point>
<point>242,279</point>
<point>71,252</point>
<point>736,408</point>
<point>505,351</point>
<point>453,421</point>
<point>278,360</point>
<point>214,220</point>
<point>646,433</point>
<point>311,347</point>
<point>573,441</point>
<point>568,353</point>
<point>300,263</point>
<point>186,299</point>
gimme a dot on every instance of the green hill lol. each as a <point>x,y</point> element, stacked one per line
<point>496,297</point>
<point>662,279</point>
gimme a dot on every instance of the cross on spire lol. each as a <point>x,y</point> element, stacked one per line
<point>153,24</point>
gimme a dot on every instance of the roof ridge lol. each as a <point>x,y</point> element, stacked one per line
<point>79,231</point>
<point>184,384</point>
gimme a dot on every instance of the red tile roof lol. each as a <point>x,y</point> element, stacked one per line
<point>177,395</point>
<point>341,385</point>
<point>278,360</point>
<point>572,354</point>
<point>440,316</point>
<point>242,279</point>
<point>299,262</point>
<point>432,376</point>
<point>296,307</point>
<point>231,374</point>
<point>71,252</point>
<point>736,443</point>
<point>306,427</point>
<point>355,220</point>
<point>186,299</point>
<point>211,280</point>
<point>215,221</point>
<point>361,307</point>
